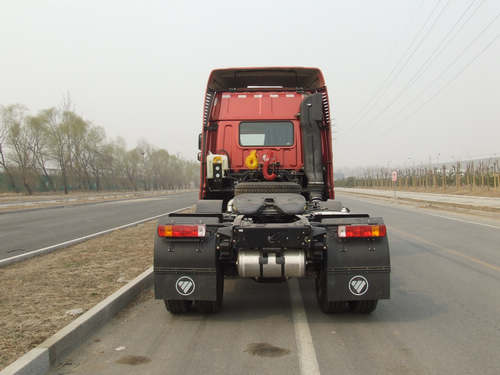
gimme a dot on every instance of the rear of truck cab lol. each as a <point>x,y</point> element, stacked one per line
<point>266,208</point>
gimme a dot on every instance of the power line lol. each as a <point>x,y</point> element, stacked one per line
<point>447,83</point>
<point>449,66</point>
<point>386,83</point>
<point>442,47</point>
<point>434,54</point>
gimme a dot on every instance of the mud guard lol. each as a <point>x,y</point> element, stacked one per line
<point>357,269</point>
<point>187,268</point>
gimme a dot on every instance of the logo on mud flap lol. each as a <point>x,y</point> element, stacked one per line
<point>358,285</point>
<point>184,286</point>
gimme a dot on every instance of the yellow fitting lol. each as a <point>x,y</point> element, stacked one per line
<point>251,160</point>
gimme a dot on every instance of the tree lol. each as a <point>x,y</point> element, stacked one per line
<point>81,155</point>
<point>95,154</point>
<point>19,141</point>
<point>58,142</point>
<point>133,163</point>
<point>38,132</point>
<point>8,116</point>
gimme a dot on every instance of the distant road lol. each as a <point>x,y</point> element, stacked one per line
<point>21,232</point>
<point>464,200</point>
<point>443,317</point>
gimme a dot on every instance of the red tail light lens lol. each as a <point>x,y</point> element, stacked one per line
<point>181,230</point>
<point>361,231</point>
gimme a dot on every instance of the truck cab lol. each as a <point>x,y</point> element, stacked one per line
<point>257,126</point>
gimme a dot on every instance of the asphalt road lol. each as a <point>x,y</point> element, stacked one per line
<point>24,231</point>
<point>443,317</point>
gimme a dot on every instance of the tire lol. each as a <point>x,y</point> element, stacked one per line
<point>212,307</point>
<point>177,306</point>
<point>267,187</point>
<point>208,307</point>
<point>363,307</point>
<point>328,307</point>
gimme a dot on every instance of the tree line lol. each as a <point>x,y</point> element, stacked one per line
<point>58,150</point>
<point>458,176</point>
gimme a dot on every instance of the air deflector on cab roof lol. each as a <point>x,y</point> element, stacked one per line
<point>242,78</point>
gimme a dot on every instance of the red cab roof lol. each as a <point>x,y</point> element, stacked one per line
<point>286,77</point>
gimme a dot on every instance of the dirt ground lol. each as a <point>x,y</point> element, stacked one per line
<point>36,294</point>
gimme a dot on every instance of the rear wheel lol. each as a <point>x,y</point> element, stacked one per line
<point>208,307</point>
<point>211,307</point>
<point>326,306</point>
<point>363,307</point>
<point>177,306</point>
<point>267,187</point>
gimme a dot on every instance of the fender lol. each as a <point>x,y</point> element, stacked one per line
<point>193,259</point>
<point>353,261</point>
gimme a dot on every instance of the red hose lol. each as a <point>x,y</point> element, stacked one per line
<point>267,160</point>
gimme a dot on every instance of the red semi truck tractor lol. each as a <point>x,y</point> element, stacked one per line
<point>267,209</point>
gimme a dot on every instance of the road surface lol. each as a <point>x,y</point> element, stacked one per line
<point>24,231</point>
<point>443,317</point>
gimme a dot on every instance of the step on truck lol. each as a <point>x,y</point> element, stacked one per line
<point>266,208</point>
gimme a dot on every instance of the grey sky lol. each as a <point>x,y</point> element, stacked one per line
<point>139,68</point>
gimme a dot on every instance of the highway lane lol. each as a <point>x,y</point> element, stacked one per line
<point>442,318</point>
<point>21,232</point>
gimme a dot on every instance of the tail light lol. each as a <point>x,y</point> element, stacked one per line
<point>181,230</point>
<point>361,231</point>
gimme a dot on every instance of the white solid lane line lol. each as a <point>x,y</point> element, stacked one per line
<point>308,362</point>
<point>81,239</point>
<point>463,221</point>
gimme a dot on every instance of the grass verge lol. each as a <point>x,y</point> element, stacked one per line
<point>36,294</point>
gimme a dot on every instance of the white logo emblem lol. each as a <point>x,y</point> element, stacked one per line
<point>184,286</point>
<point>358,285</point>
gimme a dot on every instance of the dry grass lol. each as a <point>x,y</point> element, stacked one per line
<point>35,294</point>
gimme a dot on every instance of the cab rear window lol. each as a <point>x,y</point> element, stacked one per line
<point>266,133</point>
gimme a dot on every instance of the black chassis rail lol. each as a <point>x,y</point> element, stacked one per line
<point>348,263</point>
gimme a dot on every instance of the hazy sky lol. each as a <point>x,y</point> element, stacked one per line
<point>139,68</point>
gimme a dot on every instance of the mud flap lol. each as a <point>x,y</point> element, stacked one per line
<point>357,269</point>
<point>358,285</point>
<point>186,268</point>
<point>186,285</point>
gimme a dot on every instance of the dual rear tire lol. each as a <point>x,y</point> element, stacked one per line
<point>177,306</point>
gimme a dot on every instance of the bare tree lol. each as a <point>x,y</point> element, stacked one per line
<point>58,142</point>
<point>19,141</point>
<point>7,118</point>
<point>38,132</point>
